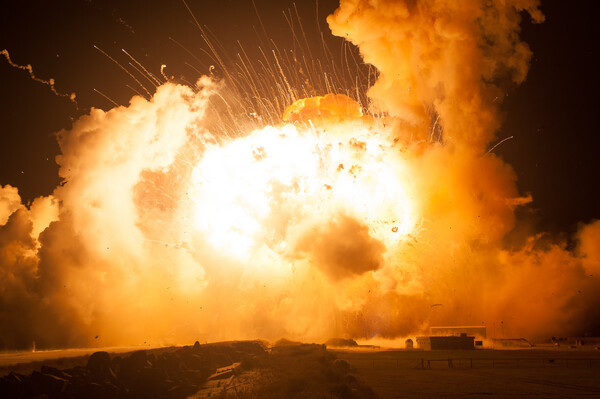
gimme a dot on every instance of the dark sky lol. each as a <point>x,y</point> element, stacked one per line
<point>552,116</point>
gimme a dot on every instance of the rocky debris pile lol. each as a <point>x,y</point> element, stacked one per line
<point>175,373</point>
<point>309,371</point>
<point>290,370</point>
<point>227,370</point>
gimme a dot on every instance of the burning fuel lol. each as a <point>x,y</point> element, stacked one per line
<point>342,218</point>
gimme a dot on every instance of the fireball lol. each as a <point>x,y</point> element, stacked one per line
<point>251,194</point>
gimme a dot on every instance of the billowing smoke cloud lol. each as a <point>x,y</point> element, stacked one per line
<point>342,248</point>
<point>451,59</point>
<point>445,68</point>
<point>332,224</point>
<point>93,268</point>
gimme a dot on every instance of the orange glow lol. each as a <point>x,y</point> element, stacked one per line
<point>338,219</point>
<point>330,108</point>
<point>294,172</point>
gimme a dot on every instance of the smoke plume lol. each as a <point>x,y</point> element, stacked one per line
<point>439,58</point>
<point>445,68</point>
<point>333,223</point>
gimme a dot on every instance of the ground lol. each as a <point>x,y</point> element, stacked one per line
<point>301,370</point>
<point>531,373</point>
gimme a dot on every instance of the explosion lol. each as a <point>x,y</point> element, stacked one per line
<point>301,175</point>
<point>340,220</point>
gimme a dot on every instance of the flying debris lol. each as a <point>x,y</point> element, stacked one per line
<point>336,195</point>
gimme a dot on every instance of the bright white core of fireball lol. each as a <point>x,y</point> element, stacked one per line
<point>251,191</point>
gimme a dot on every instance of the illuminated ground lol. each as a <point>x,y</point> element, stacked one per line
<point>8,358</point>
<point>224,369</point>
<point>528,373</point>
<point>495,374</point>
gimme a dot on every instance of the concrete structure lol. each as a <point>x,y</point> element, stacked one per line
<point>451,342</point>
<point>479,332</point>
<point>511,343</point>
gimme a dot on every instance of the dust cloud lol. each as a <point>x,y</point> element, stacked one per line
<point>336,222</point>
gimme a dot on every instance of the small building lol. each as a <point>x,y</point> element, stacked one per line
<point>449,342</point>
<point>409,343</point>
<point>479,332</point>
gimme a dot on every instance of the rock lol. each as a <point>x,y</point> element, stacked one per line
<point>196,346</point>
<point>135,361</point>
<point>175,373</point>
<point>181,391</point>
<point>130,366</point>
<point>98,365</point>
<point>97,390</point>
<point>225,372</point>
<point>341,366</point>
<point>55,372</point>
<point>51,385</point>
<point>149,382</point>
<point>13,386</point>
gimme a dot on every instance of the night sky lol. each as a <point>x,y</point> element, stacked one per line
<point>552,116</point>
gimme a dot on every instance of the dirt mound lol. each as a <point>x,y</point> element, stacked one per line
<point>291,370</point>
